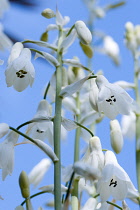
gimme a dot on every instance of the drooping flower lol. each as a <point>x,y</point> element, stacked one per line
<point>38,172</point>
<point>43,129</point>
<point>112,99</point>
<point>5,42</point>
<point>20,71</point>
<point>94,155</point>
<point>115,181</point>
<point>116,136</point>
<point>7,154</point>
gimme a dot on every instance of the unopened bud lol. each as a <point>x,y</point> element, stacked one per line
<point>116,136</point>
<point>87,50</point>
<point>48,13</point>
<point>83,32</point>
<point>44,37</point>
<point>24,184</point>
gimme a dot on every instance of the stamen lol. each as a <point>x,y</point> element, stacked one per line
<point>21,73</point>
<point>39,131</point>
<point>113,183</point>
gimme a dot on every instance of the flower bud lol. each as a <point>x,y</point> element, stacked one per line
<point>44,37</point>
<point>87,50</point>
<point>116,136</point>
<point>24,184</point>
<point>48,13</point>
<point>83,32</point>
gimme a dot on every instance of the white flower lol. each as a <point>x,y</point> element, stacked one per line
<point>43,129</point>
<point>128,124</point>
<point>38,172</point>
<point>4,5</point>
<point>5,42</point>
<point>116,136</point>
<point>115,181</point>
<point>112,99</point>
<point>111,48</point>
<point>4,128</point>
<point>94,155</point>
<point>20,71</point>
<point>7,154</point>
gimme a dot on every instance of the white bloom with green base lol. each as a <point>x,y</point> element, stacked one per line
<point>115,181</point>
<point>7,154</point>
<point>112,99</point>
<point>20,71</point>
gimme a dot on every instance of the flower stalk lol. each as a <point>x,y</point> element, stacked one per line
<point>136,82</point>
<point>57,131</point>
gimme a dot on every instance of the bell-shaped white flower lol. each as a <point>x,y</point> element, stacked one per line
<point>115,181</point>
<point>38,172</point>
<point>7,154</point>
<point>4,128</point>
<point>112,99</point>
<point>43,129</point>
<point>5,42</point>
<point>20,71</point>
<point>95,158</point>
<point>116,136</point>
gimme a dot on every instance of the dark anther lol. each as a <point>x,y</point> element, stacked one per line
<point>108,100</point>
<point>112,96</point>
<point>114,99</point>
<point>113,183</point>
<point>39,131</point>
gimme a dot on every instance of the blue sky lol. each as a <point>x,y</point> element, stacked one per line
<point>16,108</point>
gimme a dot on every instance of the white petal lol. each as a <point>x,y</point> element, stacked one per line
<point>51,59</point>
<point>47,149</point>
<point>68,41</point>
<point>42,44</point>
<point>15,52</point>
<point>68,124</point>
<point>90,204</point>
<point>74,87</point>
<point>75,63</point>
<point>4,128</point>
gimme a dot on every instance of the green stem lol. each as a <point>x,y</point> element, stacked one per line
<point>32,196</point>
<point>137,95</point>
<point>28,204</point>
<point>57,133</point>
<point>76,158</point>
<point>113,204</point>
<point>46,91</point>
